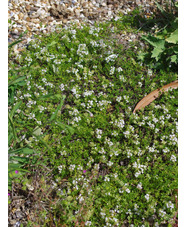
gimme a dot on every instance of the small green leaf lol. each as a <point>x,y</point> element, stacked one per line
<point>156,53</point>
<point>46,138</point>
<point>37,131</point>
<point>51,44</point>
<point>141,56</point>
<point>174,58</point>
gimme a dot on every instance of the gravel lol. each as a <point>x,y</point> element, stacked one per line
<point>43,16</point>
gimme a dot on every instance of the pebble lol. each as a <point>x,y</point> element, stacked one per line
<point>28,14</point>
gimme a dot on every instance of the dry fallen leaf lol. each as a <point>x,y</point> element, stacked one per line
<point>154,94</point>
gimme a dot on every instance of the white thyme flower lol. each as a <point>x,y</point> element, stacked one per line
<point>137,174</point>
<point>173,158</point>
<point>112,70</point>
<point>170,205</point>
<point>162,213</point>
<point>140,84</point>
<point>139,186</point>
<point>147,197</point>
<point>151,149</point>
<point>88,223</point>
<point>127,190</point>
<point>114,133</point>
<point>121,77</point>
<point>118,99</point>
<point>110,163</point>
<point>119,69</point>
<point>111,58</point>
<point>165,150</point>
<point>107,178</point>
<point>62,87</point>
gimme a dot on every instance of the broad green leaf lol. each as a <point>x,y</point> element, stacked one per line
<point>173,38</point>
<point>58,108</point>
<point>154,41</point>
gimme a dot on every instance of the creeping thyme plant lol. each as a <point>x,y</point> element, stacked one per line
<point>107,166</point>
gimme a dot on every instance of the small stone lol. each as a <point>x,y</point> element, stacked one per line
<point>21,16</point>
<point>77,12</point>
<point>109,13</point>
<point>82,1</point>
<point>28,19</point>
<point>49,18</point>
<point>19,214</point>
<point>85,12</point>
<point>90,5</point>
<point>28,7</point>
<point>110,6</point>
<point>65,21</point>
<point>85,5</point>
<point>104,4</point>
<point>13,222</point>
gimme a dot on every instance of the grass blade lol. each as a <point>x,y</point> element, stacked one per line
<point>64,127</point>
<point>17,80</point>
<point>58,108</point>
<point>14,43</point>
<point>25,151</point>
<point>12,126</point>
<point>16,107</point>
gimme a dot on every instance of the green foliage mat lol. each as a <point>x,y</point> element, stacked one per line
<point>108,165</point>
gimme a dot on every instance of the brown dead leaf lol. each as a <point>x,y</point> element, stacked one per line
<point>155,94</point>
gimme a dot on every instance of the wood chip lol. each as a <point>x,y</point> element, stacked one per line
<point>155,94</point>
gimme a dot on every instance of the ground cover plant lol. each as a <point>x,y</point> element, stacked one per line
<point>99,164</point>
<point>163,50</point>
